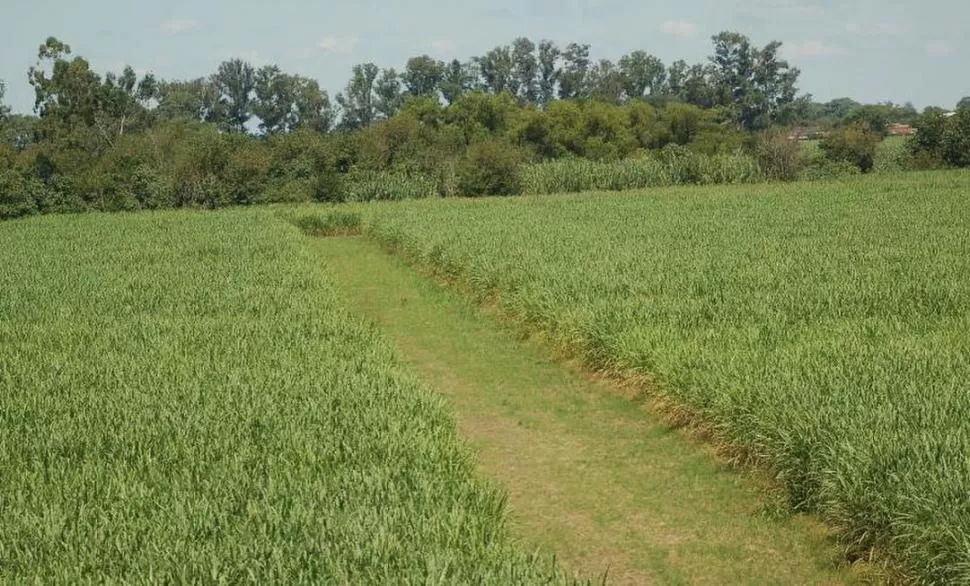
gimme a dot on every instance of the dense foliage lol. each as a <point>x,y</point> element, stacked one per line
<point>823,329</point>
<point>184,400</point>
<point>248,135</point>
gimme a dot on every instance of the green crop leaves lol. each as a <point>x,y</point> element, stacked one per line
<point>822,327</point>
<point>183,400</point>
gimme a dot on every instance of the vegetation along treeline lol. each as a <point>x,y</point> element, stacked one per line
<point>524,117</point>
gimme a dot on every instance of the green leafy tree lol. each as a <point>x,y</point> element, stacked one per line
<point>548,74</point>
<point>755,84</point>
<point>67,93</point>
<point>235,81</point>
<point>285,103</point>
<point>837,111</point>
<point>457,80</point>
<point>422,76</point>
<point>125,103</point>
<point>574,72</point>
<point>17,131</point>
<point>357,101</point>
<point>195,100</point>
<point>606,82</point>
<point>388,98</point>
<point>4,109</point>
<point>677,78</point>
<point>964,104</point>
<point>690,84</point>
<point>497,71</point>
<point>643,75</point>
<point>479,115</point>
<point>525,70</point>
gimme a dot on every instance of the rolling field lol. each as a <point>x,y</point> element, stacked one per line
<point>823,328</point>
<point>184,400</point>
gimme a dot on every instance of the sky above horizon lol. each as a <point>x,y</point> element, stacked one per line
<point>869,50</point>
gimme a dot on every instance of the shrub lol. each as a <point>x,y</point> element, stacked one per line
<point>779,158</point>
<point>15,197</point>
<point>329,186</point>
<point>855,144</point>
<point>892,156</point>
<point>490,168</point>
<point>956,139</point>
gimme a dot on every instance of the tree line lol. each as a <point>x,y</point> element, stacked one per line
<point>246,134</point>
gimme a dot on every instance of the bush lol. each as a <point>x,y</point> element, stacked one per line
<point>15,197</point>
<point>956,139</point>
<point>855,144</point>
<point>780,158</point>
<point>329,186</point>
<point>490,168</point>
<point>893,156</point>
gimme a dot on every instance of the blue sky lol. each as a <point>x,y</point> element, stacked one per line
<point>870,50</point>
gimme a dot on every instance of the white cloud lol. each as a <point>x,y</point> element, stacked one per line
<point>333,44</point>
<point>176,27</point>
<point>812,49</point>
<point>939,49</point>
<point>680,28</point>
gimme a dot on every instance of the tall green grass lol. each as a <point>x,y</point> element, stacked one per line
<point>184,400</point>
<point>824,329</point>
<point>669,167</point>
<point>361,186</point>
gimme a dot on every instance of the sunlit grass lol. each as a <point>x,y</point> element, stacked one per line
<point>184,400</point>
<point>823,327</point>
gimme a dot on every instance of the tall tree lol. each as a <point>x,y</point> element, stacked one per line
<point>125,102</point>
<point>548,71</point>
<point>457,80</point>
<point>387,94</point>
<point>964,104</point>
<point>606,82</point>
<point>774,89</point>
<point>573,74</point>
<point>357,101</point>
<point>314,110</point>
<point>422,76</point>
<point>643,74</point>
<point>497,71</point>
<point>4,109</point>
<point>67,92</point>
<point>285,103</point>
<point>525,70</point>
<point>196,100</point>
<point>754,83</point>
<point>236,82</point>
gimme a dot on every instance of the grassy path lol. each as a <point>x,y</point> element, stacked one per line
<point>590,475</point>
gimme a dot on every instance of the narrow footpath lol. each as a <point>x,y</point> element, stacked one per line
<point>591,476</point>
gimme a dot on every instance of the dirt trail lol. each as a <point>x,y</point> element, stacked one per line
<point>590,475</point>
